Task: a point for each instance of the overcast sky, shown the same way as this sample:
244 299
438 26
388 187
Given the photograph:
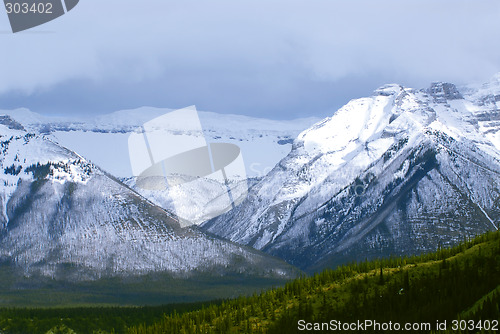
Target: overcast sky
276 59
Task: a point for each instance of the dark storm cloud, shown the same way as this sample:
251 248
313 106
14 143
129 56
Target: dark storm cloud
279 59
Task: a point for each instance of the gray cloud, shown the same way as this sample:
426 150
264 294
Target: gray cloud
278 58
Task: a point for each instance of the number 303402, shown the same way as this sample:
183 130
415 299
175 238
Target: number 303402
25 8
472 325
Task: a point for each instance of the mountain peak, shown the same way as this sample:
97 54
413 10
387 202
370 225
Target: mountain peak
444 91
10 123
62 217
401 172
388 90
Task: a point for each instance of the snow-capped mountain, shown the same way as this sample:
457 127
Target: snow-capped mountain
63 217
400 172
104 141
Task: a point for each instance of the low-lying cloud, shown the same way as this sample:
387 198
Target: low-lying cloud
279 59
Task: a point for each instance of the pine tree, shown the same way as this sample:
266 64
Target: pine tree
381 279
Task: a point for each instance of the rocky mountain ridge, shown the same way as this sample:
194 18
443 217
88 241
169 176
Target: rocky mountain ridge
400 172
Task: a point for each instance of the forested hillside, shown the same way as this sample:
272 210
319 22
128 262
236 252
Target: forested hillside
462 283
451 284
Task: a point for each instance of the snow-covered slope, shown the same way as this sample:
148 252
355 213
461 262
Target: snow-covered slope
400 172
104 141
61 216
